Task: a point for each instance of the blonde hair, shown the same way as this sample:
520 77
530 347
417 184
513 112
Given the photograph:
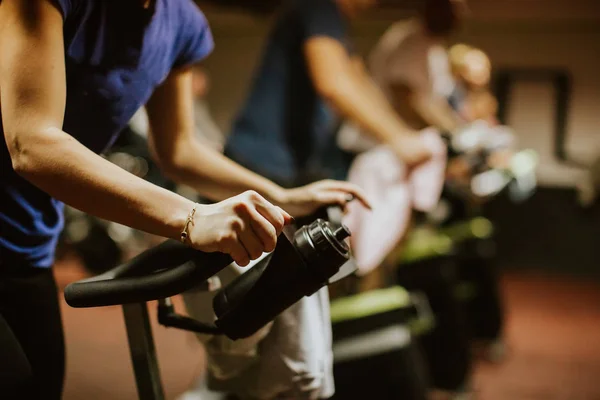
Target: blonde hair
461 57
457 55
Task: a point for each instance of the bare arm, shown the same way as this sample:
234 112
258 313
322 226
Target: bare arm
32 89
184 158
32 93
187 160
337 78
435 111
369 85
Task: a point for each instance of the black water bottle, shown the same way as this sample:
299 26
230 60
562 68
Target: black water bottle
302 263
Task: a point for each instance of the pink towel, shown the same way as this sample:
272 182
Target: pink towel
384 178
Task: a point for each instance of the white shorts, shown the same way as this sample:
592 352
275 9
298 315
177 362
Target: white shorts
291 358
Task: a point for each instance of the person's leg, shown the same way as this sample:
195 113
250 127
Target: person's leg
30 308
15 371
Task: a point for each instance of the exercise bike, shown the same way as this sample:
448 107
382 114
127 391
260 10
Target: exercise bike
449 256
306 258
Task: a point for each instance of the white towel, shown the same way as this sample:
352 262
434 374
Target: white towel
394 195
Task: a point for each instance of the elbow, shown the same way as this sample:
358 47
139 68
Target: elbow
178 159
170 163
20 151
327 91
416 101
168 166
161 159
333 91
32 152
19 165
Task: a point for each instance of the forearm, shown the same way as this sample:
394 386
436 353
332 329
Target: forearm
215 176
361 101
437 113
434 111
62 167
373 90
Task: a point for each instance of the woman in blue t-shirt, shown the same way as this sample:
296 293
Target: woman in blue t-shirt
73 72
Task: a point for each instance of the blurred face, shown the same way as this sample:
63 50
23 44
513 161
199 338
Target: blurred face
442 17
476 69
353 8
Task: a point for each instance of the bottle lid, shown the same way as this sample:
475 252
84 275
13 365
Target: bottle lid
322 247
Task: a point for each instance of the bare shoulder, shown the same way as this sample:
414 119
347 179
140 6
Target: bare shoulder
393 37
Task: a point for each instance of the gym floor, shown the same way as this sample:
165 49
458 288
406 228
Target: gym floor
553 333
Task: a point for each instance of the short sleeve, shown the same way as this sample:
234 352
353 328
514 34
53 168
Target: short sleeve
322 18
439 67
407 59
64 6
411 71
384 50
195 41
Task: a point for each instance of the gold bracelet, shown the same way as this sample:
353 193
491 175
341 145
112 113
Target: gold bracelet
189 220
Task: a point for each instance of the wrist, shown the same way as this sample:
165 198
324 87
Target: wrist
188 225
277 195
401 140
178 218
405 134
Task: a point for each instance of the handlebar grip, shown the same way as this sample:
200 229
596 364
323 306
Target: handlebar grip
163 271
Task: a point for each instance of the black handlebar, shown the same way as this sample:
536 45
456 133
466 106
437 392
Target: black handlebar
160 272
163 271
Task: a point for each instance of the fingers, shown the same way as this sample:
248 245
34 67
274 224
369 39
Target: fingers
333 197
244 227
277 217
264 232
241 241
350 191
252 242
229 242
238 254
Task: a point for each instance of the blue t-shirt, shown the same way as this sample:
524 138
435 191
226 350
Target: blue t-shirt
116 54
284 126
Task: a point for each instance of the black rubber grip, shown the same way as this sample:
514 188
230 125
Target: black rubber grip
163 271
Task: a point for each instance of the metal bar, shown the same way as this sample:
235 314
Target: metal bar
562 84
143 352
502 91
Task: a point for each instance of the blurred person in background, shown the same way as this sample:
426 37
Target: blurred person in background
308 77
73 73
471 71
473 100
410 64
431 86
